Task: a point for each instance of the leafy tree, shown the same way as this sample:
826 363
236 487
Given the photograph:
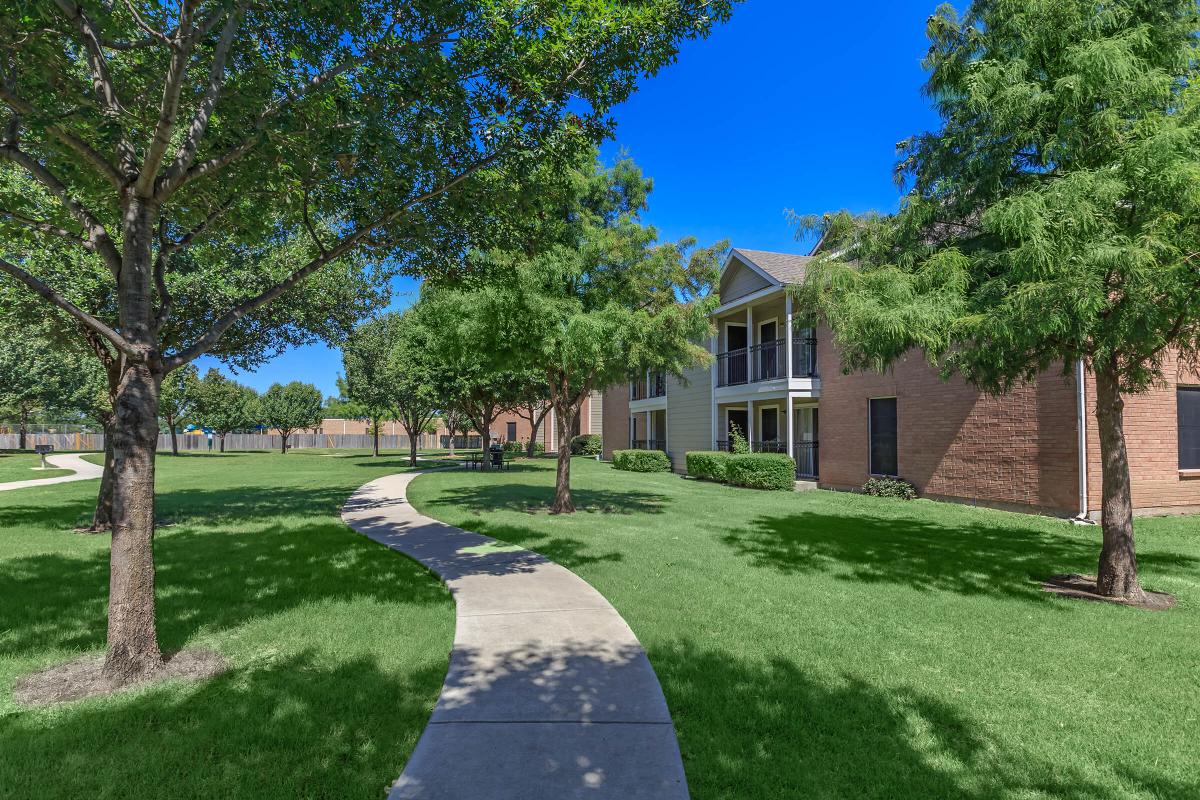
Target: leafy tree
342 407
409 383
177 400
223 405
595 298
455 421
464 370
368 128
366 360
1053 218
533 407
38 377
289 407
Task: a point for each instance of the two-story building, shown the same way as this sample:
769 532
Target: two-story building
777 378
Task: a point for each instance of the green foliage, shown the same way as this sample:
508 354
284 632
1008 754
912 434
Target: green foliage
738 445
587 444
1055 215
289 407
707 465
179 395
520 448
224 405
761 471
41 375
641 460
890 487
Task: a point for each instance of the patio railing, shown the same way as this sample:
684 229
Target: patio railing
650 444
767 362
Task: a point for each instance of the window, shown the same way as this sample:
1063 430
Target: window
883 436
512 431
1187 402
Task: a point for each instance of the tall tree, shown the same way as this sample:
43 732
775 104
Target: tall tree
200 116
223 405
366 359
455 421
1053 218
178 400
410 385
594 298
341 406
289 407
533 407
39 378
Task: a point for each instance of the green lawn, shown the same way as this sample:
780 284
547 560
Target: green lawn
824 645
338 645
21 467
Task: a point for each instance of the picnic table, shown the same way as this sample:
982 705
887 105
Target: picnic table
499 458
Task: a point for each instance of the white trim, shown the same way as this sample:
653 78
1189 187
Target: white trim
731 323
1081 417
759 325
774 407
738 302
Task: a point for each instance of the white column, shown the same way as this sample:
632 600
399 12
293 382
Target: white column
649 434
712 394
791 433
749 420
787 350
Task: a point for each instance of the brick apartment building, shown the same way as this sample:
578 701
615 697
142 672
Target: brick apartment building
1035 448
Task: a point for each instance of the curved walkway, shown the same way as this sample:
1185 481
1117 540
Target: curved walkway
84 471
549 694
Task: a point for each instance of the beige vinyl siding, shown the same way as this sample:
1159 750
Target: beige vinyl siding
739 281
596 413
689 415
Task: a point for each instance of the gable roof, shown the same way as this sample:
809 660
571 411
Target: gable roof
782 268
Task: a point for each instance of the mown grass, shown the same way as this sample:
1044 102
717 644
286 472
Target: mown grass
25 467
338 645
824 645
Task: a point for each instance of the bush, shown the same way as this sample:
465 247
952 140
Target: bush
761 471
589 444
641 460
707 465
890 487
514 447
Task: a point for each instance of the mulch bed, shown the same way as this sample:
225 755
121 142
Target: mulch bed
82 677
1083 587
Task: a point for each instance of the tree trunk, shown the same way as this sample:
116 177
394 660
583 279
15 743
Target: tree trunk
133 650
283 437
485 439
563 504
451 430
412 451
22 429
174 439
222 443
1117 573
375 438
103 515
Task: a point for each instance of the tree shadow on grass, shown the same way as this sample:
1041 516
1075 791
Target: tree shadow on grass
766 729
970 558
240 564
294 726
530 499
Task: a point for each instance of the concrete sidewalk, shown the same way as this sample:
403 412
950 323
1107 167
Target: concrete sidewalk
84 471
549 694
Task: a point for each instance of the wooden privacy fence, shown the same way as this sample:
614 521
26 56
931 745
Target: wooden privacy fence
233 441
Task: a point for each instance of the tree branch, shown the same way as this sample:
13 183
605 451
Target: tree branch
95 231
212 93
141 23
45 292
47 227
168 112
85 150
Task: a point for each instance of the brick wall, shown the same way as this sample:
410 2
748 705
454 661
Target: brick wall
616 419
953 441
1152 440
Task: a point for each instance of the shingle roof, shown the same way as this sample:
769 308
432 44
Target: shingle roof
783 267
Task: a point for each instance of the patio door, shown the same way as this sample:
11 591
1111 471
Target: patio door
736 418
768 352
768 427
807 431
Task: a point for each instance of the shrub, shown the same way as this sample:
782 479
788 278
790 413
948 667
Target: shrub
538 448
641 460
514 447
890 487
589 444
737 441
761 471
707 465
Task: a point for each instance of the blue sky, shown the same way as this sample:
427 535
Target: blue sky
790 105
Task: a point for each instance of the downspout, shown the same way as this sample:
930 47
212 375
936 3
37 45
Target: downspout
1081 426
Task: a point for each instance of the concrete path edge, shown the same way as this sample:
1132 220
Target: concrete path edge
548 695
84 471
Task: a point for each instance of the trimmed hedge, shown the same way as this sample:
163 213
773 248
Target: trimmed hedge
519 448
641 460
588 444
708 465
890 487
773 471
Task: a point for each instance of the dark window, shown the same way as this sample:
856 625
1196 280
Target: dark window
769 429
883 437
1188 402
512 431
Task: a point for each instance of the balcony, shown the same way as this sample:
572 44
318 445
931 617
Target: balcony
767 362
652 386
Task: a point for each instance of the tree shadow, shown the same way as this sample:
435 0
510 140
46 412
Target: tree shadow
969 558
243 563
530 499
283 727
768 729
